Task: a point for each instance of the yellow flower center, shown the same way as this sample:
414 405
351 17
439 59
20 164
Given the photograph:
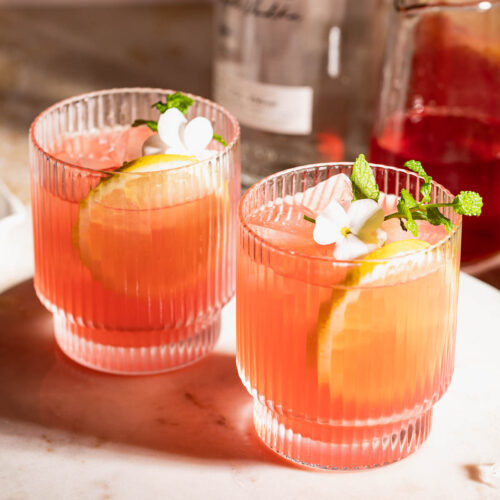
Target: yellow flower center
345 231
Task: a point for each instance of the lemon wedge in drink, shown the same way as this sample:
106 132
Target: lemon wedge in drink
124 191
154 163
331 314
148 235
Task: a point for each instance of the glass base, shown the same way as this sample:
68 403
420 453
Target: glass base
338 447
136 352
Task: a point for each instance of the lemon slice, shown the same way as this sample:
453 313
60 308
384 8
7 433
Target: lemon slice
155 163
331 313
141 235
124 191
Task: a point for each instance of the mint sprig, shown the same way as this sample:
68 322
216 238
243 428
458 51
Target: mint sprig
363 181
409 210
468 203
152 124
218 138
405 204
176 100
436 218
425 189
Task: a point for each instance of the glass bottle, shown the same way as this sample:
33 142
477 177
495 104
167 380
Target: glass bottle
440 104
300 77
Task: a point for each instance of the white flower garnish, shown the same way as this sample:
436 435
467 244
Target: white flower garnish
170 124
177 135
355 232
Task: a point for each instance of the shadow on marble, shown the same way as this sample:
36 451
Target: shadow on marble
202 411
484 473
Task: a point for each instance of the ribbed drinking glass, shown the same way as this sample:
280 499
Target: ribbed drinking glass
344 360
135 267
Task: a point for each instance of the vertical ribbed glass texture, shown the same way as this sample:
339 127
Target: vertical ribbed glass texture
343 376
135 267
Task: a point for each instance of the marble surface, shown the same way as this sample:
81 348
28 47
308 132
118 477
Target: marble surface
67 432
16 239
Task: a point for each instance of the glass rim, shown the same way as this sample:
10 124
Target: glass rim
331 259
131 90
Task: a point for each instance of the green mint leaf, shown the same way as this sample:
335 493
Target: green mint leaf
363 180
150 123
436 218
416 167
411 225
468 203
160 106
177 100
410 202
404 209
426 187
218 138
420 214
425 190
357 194
409 210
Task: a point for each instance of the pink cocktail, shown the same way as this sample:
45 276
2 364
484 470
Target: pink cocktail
344 358
135 264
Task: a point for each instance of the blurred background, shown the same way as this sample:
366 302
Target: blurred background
309 81
52 49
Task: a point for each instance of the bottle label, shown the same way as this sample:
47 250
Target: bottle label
280 109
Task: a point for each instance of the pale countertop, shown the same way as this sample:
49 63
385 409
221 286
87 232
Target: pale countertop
68 432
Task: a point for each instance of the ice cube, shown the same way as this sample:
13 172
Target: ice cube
388 202
283 225
338 187
132 141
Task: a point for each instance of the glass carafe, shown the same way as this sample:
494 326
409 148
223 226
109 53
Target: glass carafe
440 104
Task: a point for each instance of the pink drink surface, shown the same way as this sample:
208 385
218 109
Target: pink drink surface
362 358
284 225
129 276
102 150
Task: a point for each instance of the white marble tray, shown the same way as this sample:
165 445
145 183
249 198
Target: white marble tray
16 239
67 432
